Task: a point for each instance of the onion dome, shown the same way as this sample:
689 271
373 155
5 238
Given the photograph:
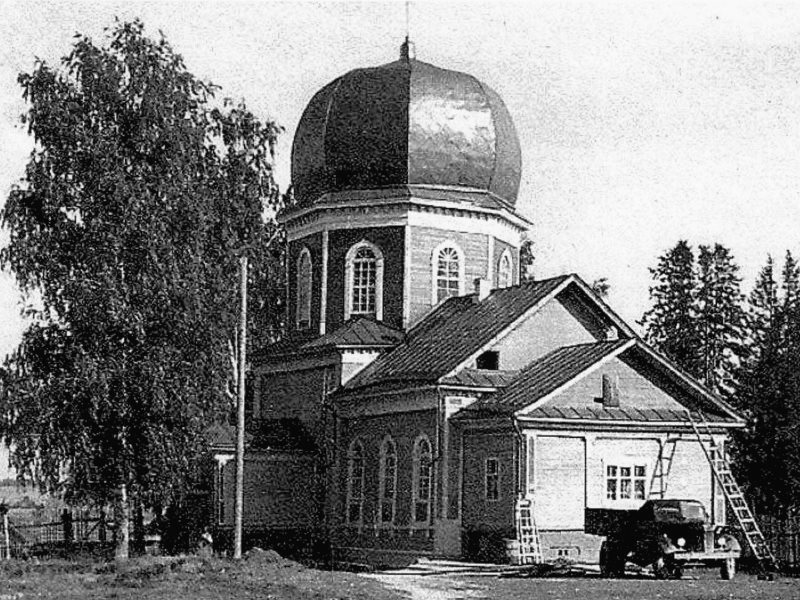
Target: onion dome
406 123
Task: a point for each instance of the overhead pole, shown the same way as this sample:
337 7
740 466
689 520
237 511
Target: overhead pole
239 500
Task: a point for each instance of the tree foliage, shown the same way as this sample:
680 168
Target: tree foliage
720 318
769 392
124 235
669 324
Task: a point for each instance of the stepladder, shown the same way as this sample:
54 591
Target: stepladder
530 545
739 508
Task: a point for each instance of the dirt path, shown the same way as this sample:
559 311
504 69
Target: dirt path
432 587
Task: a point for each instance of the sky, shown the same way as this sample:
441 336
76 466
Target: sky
641 123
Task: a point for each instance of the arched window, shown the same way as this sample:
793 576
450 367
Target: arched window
387 481
505 277
355 482
304 289
421 484
448 272
364 281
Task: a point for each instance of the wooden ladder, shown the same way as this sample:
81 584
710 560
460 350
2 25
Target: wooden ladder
530 546
658 484
721 467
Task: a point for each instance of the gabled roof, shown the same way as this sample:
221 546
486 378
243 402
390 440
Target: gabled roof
527 395
358 332
453 332
548 373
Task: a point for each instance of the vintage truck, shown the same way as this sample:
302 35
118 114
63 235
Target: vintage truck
669 535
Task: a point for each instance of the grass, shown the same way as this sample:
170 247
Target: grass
259 575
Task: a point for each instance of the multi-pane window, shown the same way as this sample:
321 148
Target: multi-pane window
422 471
355 482
387 481
448 273
492 479
304 290
365 270
626 482
504 277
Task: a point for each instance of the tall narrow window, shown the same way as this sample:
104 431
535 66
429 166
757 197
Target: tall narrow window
304 289
364 271
422 473
505 276
492 479
355 482
388 481
364 281
448 272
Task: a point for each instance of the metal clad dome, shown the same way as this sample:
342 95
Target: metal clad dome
405 123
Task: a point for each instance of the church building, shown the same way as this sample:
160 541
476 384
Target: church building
424 384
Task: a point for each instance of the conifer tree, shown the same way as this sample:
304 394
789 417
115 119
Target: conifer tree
768 394
720 319
670 324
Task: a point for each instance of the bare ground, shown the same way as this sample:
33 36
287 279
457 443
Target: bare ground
701 586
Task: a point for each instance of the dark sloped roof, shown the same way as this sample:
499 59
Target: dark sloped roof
547 374
455 330
627 413
482 378
359 331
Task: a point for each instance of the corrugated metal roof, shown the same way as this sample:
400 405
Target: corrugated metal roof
364 332
456 329
600 413
359 331
548 373
481 378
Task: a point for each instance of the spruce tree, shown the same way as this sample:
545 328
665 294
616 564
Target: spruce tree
720 318
670 324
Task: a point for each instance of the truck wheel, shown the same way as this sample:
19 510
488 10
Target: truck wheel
605 567
728 568
665 568
611 563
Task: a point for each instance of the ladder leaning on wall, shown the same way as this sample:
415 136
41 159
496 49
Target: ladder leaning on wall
721 467
530 546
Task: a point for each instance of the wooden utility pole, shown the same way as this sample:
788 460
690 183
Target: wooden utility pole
239 502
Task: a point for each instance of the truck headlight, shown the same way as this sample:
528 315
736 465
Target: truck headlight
681 542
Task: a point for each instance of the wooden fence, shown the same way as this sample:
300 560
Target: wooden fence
783 537
67 535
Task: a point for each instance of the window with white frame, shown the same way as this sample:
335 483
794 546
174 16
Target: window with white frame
355 482
304 289
626 482
505 276
387 481
492 479
364 281
448 271
422 476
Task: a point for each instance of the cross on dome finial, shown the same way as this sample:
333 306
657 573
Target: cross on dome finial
407 51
